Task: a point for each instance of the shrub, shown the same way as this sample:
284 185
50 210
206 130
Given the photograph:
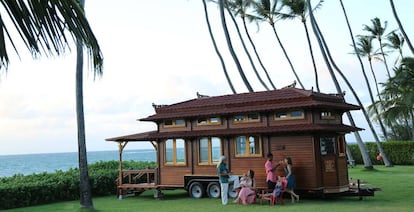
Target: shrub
27 190
398 152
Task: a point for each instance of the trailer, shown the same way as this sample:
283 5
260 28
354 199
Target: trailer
190 137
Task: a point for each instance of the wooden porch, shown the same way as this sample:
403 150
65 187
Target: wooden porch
137 181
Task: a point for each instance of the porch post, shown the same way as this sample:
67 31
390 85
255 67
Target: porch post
121 146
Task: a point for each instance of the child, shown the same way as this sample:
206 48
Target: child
279 187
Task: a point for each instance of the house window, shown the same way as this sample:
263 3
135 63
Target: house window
248 146
296 114
209 150
327 145
251 117
209 121
327 115
174 123
175 151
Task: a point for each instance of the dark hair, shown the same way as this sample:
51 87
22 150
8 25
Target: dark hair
289 160
269 155
251 173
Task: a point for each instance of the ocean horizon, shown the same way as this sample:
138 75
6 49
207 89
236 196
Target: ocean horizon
27 164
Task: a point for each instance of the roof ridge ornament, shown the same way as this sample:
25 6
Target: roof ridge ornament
201 95
155 106
293 85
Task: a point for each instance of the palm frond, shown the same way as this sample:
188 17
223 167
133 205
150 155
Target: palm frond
42 26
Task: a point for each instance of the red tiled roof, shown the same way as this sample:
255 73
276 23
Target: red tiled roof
251 102
275 130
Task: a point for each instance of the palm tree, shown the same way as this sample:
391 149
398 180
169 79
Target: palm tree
298 9
244 46
394 12
230 46
364 48
84 183
223 65
325 47
267 10
377 31
395 42
398 96
42 26
239 7
329 62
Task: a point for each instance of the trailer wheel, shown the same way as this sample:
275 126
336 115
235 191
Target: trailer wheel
196 190
231 192
213 190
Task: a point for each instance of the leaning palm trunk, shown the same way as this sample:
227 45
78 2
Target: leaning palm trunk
84 182
312 57
384 131
394 12
246 50
364 154
286 55
383 56
223 65
324 47
256 53
230 46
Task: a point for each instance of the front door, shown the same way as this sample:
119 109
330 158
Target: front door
329 161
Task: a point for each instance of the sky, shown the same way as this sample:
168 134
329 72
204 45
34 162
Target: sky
161 52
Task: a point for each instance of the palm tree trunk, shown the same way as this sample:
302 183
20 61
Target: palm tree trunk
313 58
246 50
379 146
412 125
256 53
374 76
84 184
223 65
351 160
323 47
394 12
383 57
230 46
363 71
286 55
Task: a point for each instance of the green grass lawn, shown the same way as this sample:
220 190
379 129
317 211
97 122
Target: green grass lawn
396 183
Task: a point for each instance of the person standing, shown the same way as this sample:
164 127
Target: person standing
223 174
270 171
291 183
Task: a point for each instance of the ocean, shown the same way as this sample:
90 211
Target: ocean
50 162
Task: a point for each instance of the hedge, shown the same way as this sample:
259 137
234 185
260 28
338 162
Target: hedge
27 190
398 152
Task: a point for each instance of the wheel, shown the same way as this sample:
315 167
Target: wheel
196 190
213 190
231 193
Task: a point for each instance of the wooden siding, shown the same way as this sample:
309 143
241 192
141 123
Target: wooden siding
300 149
173 174
343 171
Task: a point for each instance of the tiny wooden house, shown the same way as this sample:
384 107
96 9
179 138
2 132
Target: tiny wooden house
302 124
